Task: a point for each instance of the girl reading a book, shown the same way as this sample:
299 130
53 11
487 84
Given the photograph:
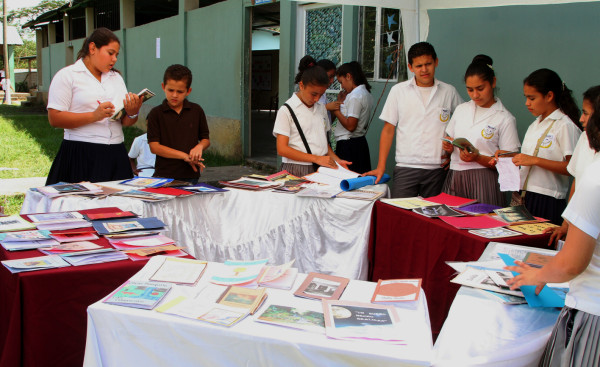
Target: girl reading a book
575 340
488 126
353 116
81 99
302 123
548 144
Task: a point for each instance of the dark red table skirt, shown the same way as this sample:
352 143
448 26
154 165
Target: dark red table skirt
43 314
404 244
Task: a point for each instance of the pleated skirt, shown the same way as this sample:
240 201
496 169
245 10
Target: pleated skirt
355 150
78 161
298 170
545 206
480 184
575 340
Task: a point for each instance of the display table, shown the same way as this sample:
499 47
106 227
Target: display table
324 235
480 331
121 336
404 244
42 313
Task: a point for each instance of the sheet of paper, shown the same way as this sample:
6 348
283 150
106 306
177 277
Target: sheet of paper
508 175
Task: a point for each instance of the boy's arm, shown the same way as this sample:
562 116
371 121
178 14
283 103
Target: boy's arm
134 166
166 152
385 144
196 152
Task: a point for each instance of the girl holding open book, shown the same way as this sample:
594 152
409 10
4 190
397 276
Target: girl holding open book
81 100
488 126
548 144
575 340
301 124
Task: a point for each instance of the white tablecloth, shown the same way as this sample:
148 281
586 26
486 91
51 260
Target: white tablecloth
121 336
324 235
480 331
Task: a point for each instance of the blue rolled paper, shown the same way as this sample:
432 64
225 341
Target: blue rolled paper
357 183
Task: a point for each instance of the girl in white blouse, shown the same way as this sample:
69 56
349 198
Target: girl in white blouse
486 124
81 100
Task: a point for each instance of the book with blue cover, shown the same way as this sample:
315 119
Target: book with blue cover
104 227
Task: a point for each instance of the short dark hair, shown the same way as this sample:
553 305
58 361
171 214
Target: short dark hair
353 68
177 73
326 64
421 49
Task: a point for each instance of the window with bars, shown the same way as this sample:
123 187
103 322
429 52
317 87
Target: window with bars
77 24
382 44
107 14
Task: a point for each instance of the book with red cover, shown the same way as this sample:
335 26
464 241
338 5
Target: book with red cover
397 290
478 222
450 200
112 214
168 191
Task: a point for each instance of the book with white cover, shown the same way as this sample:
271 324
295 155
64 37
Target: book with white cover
331 176
35 263
179 271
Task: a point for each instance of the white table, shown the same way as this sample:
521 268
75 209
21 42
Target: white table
122 336
324 235
480 331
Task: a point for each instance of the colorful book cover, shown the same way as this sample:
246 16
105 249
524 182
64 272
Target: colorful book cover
532 229
136 294
238 272
397 290
322 286
293 317
450 200
479 222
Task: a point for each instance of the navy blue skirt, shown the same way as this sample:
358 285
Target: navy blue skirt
545 206
78 161
355 150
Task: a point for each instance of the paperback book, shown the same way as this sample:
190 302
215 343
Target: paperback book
69 189
515 215
437 211
145 295
146 181
238 272
250 299
293 317
14 223
145 94
532 229
322 286
180 271
409 203
170 251
280 276
499 232
450 200
125 225
35 263
396 290
479 278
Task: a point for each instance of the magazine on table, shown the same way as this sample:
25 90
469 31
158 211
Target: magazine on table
27 245
331 176
479 278
69 189
396 290
498 232
125 225
251 184
25 236
145 295
75 237
322 286
450 200
69 247
293 317
280 276
180 271
14 223
55 217
409 203
238 272
169 251
532 229
435 211
515 215
360 195
250 299
102 255
35 263
144 196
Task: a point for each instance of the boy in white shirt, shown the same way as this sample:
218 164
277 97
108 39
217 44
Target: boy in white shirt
140 150
417 110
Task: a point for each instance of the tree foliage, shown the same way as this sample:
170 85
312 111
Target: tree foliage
25 14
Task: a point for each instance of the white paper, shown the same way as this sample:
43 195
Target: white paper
174 270
508 175
158 48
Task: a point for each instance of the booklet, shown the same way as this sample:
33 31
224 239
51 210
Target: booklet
140 242
356 320
437 211
25 236
180 271
69 189
293 317
479 222
451 200
35 263
146 181
479 278
360 195
536 259
224 315
331 176
70 247
145 253
479 208
27 245
59 226
144 196
499 232
145 94
74 237
238 272
280 276
250 299
125 225
251 184
14 223
110 214
145 295
409 203
462 143
55 217
202 188
101 255
396 290
322 286
515 215
532 229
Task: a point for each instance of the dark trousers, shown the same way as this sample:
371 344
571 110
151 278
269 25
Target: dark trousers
410 182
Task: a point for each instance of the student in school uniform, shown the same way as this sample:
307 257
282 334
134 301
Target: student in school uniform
353 117
329 67
582 157
299 158
486 124
548 144
81 100
417 111
575 339
141 157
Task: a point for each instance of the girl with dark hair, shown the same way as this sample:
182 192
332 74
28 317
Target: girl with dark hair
582 157
489 126
548 144
353 117
301 124
81 100
329 68
575 339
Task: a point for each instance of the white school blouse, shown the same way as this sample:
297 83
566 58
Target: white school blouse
581 158
419 126
140 150
314 124
557 144
495 129
358 104
75 89
582 212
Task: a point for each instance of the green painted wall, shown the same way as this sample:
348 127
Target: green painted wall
57 54
520 39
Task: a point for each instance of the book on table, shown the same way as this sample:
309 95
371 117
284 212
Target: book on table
515 215
280 276
69 189
250 299
145 94
145 295
293 317
532 229
26 240
55 217
74 237
396 290
203 188
180 271
480 278
125 225
146 181
450 200
35 263
140 242
435 211
322 286
478 222
14 223
498 232
479 208
331 176
109 213
238 272
144 195
170 251
69 247
101 255
409 203
361 321
360 195
251 184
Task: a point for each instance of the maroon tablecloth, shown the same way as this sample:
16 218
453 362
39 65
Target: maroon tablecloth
404 244
43 316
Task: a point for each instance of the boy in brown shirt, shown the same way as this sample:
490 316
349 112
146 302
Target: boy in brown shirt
177 129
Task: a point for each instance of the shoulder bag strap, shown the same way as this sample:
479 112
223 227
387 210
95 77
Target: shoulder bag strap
298 128
535 153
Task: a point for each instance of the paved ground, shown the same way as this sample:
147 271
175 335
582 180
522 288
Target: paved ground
11 186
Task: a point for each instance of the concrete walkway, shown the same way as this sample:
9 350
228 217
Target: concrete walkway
13 186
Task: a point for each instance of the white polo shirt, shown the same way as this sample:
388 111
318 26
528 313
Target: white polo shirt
557 144
582 157
314 124
419 126
358 104
582 212
140 150
495 129
75 89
